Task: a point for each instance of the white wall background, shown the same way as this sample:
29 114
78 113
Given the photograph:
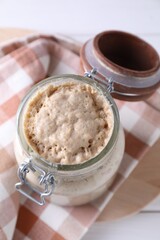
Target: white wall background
85 18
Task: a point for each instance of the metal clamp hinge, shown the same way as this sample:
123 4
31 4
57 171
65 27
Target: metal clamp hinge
108 82
46 182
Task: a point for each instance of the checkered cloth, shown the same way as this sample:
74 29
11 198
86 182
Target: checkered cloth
23 63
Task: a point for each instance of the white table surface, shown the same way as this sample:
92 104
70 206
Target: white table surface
82 20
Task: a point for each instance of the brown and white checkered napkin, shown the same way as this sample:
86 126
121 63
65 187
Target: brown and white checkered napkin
23 63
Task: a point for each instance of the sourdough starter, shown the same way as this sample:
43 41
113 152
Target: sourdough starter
70 124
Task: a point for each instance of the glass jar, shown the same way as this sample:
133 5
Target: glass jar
67 184
111 57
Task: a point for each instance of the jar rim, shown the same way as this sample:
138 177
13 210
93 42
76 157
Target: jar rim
67 167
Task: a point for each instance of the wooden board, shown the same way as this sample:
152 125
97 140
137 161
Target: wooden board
11 33
142 186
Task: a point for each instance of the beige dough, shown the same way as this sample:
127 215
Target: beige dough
68 124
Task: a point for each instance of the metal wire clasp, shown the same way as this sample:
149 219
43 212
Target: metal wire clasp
45 179
108 82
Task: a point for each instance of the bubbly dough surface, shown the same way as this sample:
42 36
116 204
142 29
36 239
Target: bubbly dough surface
68 124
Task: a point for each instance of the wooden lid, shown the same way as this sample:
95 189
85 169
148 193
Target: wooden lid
131 63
